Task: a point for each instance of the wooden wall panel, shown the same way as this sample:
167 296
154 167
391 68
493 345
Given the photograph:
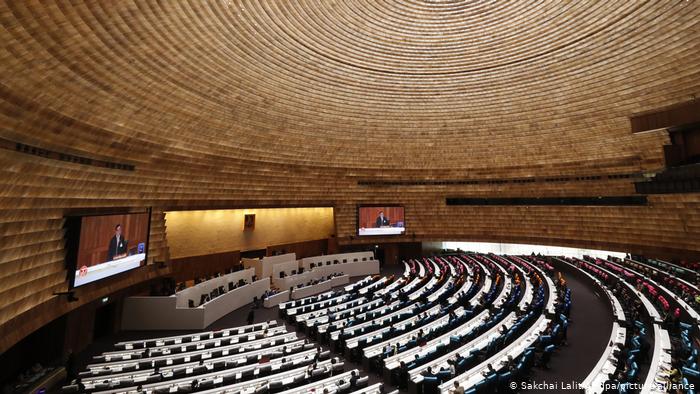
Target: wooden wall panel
302 249
32 268
196 233
186 268
680 114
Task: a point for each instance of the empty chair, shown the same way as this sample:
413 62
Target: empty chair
153 379
693 375
546 355
318 374
206 384
179 372
275 386
160 363
430 384
265 370
162 390
261 390
362 382
297 381
196 357
344 388
275 354
504 380
232 364
199 369
229 378
190 348
245 374
73 388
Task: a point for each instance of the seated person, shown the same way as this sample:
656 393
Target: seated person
457 389
489 370
353 379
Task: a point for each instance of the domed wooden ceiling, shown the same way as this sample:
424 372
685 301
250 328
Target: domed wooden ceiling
246 103
434 84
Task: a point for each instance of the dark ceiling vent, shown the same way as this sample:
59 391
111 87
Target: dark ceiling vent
492 181
67 157
535 201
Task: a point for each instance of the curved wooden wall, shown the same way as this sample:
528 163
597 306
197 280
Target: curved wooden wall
225 104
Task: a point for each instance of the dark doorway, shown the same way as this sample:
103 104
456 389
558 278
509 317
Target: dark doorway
379 254
104 320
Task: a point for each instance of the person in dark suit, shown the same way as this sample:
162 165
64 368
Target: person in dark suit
381 220
353 379
71 371
117 245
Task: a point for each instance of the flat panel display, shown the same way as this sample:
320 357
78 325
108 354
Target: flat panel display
108 245
380 220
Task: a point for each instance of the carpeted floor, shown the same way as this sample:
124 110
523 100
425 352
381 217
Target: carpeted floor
588 334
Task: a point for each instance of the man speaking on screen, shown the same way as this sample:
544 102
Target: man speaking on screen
117 245
381 220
